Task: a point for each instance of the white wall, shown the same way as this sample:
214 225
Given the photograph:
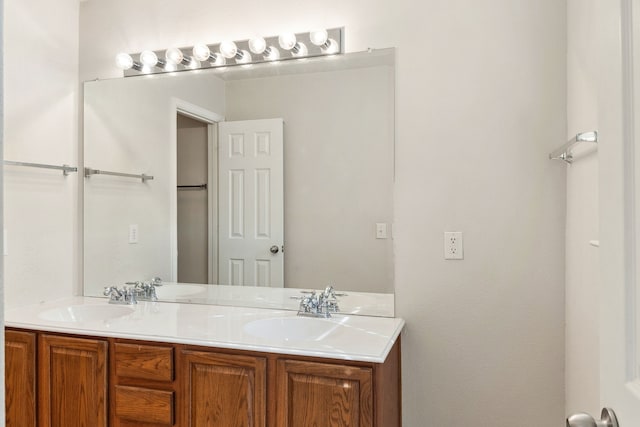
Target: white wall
480 102
338 171
40 125
2 269
131 124
582 261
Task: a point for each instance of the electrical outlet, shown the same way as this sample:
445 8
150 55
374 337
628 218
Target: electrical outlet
133 233
453 247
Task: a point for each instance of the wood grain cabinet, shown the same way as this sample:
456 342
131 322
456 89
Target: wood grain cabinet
65 381
72 382
20 378
143 391
311 394
223 389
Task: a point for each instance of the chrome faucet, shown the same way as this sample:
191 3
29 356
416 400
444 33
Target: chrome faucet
146 291
319 305
123 295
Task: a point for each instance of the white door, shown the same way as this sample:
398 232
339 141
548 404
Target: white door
619 205
251 203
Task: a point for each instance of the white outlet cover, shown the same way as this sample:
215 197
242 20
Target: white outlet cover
453 245
133 233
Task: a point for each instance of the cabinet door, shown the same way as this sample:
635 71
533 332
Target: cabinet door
222 390
20 378
311 394
72 374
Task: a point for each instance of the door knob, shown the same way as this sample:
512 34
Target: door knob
585 420
274 249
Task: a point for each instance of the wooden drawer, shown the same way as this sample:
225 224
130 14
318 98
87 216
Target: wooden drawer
144 405
143 361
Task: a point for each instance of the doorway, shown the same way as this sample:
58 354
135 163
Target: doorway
193 199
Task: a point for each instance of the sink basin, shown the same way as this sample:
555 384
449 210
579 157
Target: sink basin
178 291
85 313
291 328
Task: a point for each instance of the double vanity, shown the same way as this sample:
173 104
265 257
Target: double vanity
193 182
82 361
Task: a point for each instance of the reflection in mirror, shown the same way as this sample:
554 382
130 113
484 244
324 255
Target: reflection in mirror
276 175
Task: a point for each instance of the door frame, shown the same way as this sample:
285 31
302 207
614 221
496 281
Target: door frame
180 106
619 375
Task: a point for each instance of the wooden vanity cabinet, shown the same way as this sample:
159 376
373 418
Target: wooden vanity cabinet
142 386
312 392
20 378
164 385
221 389
72 381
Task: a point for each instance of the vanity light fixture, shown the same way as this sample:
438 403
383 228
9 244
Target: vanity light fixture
289 41
124 61
321 39
230 50
202 53
233 53
258 46
175 56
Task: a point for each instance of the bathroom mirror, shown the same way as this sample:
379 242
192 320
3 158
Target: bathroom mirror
318 212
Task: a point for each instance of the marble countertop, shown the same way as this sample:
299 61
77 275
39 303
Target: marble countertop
347 337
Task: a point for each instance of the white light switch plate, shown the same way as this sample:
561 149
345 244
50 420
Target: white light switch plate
453 245
381 230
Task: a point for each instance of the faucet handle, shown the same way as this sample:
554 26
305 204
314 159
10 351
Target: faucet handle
110 290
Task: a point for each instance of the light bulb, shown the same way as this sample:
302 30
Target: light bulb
228 49
257 45
170 66
219 60
148 58
287 41
300 50
124 61
318 37
201 52
330 47
193 64
174 56
271 54
245 57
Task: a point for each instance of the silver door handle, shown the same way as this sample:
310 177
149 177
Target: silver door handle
585 420
274 249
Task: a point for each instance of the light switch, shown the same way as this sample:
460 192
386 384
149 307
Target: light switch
381 230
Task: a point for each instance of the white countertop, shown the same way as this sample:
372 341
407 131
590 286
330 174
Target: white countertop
362 303
348 337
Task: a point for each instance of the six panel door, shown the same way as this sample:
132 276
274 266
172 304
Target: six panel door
251 203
